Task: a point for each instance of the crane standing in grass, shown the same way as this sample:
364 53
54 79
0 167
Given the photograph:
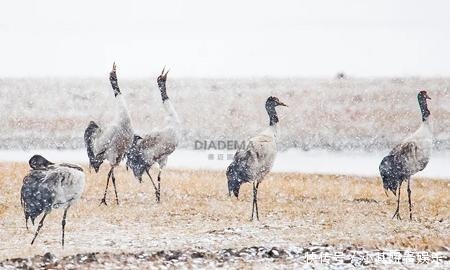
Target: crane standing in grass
254 162
48 186
409 157
155 147
110 142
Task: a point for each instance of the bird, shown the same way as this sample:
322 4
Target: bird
409 157
49 186
156 146
254 162
110 142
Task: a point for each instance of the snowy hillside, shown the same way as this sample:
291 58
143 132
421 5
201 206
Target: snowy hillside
349 114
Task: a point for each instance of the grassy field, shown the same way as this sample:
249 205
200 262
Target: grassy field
295 209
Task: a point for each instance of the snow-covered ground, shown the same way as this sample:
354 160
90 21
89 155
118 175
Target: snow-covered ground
331 126
292 160
355 114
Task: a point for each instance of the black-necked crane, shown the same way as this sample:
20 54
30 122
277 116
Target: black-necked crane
254 162
112 141
409 157
48 186
155 147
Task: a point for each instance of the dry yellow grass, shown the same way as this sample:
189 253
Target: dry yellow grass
295 209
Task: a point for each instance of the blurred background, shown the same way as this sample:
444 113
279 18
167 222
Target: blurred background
202 38
350 70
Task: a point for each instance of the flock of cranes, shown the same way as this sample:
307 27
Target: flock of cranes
49 185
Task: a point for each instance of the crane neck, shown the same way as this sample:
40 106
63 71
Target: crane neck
162 89
123 115
424 108
171 113
273 116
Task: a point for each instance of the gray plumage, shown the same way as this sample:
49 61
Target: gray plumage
110 142
48 186
95 160
254 162
409 157
155 147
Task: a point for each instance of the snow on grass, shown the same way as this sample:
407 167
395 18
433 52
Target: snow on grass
196 211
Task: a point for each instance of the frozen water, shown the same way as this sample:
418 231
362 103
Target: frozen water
292 160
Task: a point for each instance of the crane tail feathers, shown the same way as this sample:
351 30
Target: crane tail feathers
239 172
234 180
36 196
392 173
136 160
95 161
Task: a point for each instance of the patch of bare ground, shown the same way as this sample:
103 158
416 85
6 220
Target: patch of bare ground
196 212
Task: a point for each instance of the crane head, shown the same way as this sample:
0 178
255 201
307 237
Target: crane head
162 77
113 80
38 162
424 94
273 102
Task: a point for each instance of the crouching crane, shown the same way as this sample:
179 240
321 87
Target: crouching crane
48 186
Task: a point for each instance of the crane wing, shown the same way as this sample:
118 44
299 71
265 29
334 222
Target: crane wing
153 147
37 193
408 154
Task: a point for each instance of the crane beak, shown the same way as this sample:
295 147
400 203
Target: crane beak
164 76
282 104
427 96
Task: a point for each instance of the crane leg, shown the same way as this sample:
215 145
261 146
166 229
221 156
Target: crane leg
41 223
256 196
409 199
103 201
158 192
153 183
63 224
397 212
114 184
255 201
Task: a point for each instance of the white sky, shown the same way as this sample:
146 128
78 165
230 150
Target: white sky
226 38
